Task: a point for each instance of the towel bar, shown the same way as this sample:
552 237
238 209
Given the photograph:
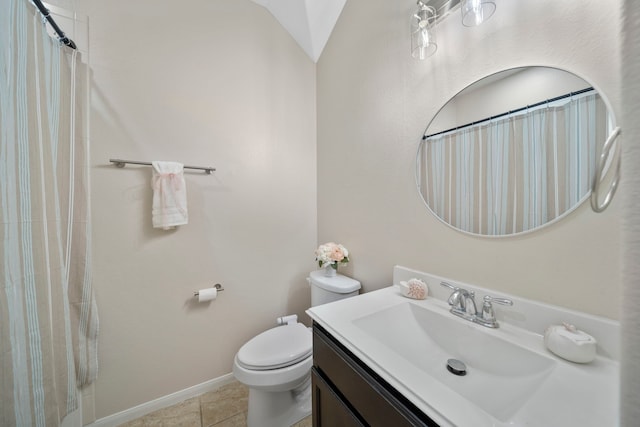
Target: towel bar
121 163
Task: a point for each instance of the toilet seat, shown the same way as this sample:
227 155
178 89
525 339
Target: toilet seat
276 348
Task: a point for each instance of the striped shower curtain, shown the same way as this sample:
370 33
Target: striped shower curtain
48 316
515 173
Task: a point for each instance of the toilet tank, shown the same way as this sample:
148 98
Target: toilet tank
326 289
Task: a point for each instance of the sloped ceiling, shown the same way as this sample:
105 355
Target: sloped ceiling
310 22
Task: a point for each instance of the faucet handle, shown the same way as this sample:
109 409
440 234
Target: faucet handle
456 299
450 286
488 315
503 301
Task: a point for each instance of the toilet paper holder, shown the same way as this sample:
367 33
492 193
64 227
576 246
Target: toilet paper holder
218 287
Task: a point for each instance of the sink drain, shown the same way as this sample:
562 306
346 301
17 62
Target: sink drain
456 367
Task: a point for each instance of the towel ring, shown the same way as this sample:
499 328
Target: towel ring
595 184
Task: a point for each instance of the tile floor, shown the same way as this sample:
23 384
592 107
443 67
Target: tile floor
224 407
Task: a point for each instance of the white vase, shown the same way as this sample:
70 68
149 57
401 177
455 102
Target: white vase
329 271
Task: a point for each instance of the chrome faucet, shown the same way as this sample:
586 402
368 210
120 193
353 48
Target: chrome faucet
463 304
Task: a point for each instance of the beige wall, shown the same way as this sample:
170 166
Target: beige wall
374 102
213 83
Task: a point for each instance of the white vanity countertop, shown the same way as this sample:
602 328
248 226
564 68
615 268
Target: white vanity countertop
570 395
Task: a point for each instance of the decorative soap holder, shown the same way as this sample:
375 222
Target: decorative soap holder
570 343
413 288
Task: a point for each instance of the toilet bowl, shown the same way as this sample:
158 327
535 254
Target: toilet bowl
275 360
276 364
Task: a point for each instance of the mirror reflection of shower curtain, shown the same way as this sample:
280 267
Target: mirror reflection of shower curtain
48 316
516 172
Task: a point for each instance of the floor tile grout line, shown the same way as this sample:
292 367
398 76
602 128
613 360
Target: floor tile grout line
162 414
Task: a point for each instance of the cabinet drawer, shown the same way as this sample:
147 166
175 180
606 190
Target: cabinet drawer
372 398
328 409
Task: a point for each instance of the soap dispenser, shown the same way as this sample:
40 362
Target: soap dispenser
569 343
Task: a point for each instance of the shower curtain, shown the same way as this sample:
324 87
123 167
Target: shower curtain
48 316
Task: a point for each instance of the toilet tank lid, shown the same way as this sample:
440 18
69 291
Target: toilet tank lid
339 284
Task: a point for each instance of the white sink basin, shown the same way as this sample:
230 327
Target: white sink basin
501 376
511 380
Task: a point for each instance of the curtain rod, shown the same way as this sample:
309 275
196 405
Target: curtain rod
120 163
537 104
46 13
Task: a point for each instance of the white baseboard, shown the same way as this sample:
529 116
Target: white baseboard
162 402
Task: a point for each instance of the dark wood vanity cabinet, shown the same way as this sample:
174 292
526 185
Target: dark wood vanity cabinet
346 392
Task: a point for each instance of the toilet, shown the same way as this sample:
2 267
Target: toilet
276 364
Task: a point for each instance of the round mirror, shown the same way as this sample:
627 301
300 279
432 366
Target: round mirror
513 152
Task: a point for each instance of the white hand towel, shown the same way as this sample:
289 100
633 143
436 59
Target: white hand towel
169 195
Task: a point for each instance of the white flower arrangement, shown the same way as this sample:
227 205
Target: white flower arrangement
331 254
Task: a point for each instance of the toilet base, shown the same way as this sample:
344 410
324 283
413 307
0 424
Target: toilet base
281 408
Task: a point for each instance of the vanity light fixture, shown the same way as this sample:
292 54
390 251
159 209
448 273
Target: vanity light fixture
475 12
423 36
423 21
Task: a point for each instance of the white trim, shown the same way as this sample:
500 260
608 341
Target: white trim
162 402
